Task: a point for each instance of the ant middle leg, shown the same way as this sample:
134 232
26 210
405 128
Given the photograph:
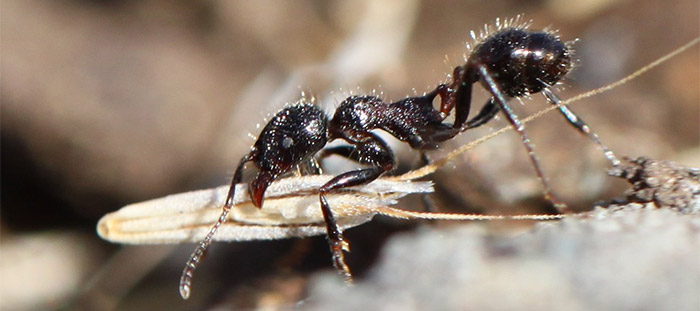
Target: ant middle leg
486 113
429 204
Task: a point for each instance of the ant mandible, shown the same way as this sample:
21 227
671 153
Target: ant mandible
512 62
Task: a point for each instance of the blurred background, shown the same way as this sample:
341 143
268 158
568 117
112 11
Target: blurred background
109 102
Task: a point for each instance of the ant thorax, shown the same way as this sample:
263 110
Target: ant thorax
408 120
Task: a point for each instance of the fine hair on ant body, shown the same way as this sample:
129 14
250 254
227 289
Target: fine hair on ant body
511 62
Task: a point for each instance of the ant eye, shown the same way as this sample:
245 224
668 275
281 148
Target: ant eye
287 142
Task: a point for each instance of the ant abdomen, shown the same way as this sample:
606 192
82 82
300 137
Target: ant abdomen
521 61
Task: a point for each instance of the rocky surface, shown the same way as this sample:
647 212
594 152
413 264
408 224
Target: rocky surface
641 253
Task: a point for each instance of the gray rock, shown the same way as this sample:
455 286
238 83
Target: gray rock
640 253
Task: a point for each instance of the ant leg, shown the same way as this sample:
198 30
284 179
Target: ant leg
201 250
373 151
463 88
457 94
579 124
335 235
428 202
311 167
486 114
344 151
423 159
429 139
502 102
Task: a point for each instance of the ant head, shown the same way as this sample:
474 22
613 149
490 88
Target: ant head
523 62
292 136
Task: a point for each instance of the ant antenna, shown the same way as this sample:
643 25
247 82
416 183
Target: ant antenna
201 250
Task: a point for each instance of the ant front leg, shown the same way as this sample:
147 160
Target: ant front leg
372 150
500 100
310 167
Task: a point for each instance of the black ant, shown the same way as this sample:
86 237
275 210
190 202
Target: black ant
512 62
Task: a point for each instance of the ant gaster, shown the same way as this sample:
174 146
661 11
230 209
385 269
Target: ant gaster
512 62
515 62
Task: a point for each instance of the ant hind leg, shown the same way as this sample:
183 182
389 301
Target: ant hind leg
579 124
502 102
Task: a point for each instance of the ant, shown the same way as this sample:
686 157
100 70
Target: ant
512 62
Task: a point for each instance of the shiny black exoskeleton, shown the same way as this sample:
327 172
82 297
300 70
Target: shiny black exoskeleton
523 62
298 132
293 136
510 63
